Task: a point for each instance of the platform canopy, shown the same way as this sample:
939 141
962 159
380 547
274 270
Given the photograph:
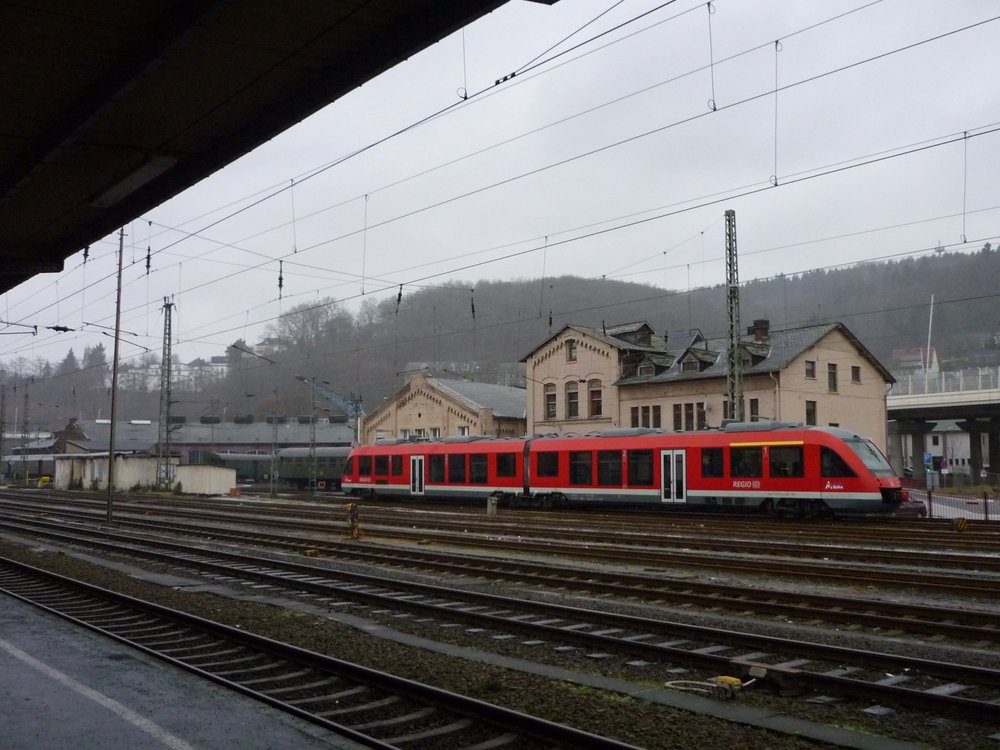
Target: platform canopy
110 108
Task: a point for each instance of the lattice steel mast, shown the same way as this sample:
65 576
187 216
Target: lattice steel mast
163 472
734 372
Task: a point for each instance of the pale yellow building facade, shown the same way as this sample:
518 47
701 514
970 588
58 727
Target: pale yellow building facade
428 408
583 380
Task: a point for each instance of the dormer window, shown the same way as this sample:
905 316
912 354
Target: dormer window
689 365
570 350
646 370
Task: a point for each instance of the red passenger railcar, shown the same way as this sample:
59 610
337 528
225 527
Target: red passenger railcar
772 467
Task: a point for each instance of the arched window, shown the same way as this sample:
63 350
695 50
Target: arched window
550 400
570 350
572 401
595 398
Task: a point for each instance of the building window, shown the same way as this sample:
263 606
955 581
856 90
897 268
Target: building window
811 369
688 417
831 377
678 418
570 350
572 401
656 417
404 434
634 412
550 401
463 430
700 415
810 412
645 416
436 432
596 396
646 371
855 374
754 410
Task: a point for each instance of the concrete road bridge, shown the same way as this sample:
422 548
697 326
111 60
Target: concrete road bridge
918 401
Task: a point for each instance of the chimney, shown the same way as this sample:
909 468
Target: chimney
761 329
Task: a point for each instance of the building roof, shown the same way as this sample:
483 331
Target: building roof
605 335
505 401
143 436
771 355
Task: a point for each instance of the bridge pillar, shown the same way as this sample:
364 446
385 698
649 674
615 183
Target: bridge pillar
994 445
917 429
976 428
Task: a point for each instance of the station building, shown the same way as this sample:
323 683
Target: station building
429 407
584 379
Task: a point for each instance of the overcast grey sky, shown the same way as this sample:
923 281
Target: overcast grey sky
840 131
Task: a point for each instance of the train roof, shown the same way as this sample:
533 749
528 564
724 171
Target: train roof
319 450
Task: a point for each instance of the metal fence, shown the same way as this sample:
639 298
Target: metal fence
954 381
943 505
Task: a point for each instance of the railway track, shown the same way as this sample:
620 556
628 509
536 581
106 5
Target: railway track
370 707
943 550
879 616
943 688
468 535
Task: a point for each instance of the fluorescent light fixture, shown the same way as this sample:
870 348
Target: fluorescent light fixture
148 172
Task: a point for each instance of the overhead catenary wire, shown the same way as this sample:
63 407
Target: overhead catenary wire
963 224
800 31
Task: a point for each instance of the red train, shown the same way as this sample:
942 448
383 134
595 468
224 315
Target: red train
766 466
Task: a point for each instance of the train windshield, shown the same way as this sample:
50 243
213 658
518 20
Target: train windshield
872 457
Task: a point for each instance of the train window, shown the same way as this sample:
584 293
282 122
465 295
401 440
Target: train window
547 464
506 464
477 468
640 468
745 462
456 468
711 463
381 465
609 468
785 461
396 466
349 466
435 468
365 466
831 464
581 467
871 457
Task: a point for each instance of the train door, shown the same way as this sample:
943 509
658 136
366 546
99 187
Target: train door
416 475
673 474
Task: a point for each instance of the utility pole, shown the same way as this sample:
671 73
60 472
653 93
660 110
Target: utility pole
25 422
163 473
3 426
312 440
114 381
734 373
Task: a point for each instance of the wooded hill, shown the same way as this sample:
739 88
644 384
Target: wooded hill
482 329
